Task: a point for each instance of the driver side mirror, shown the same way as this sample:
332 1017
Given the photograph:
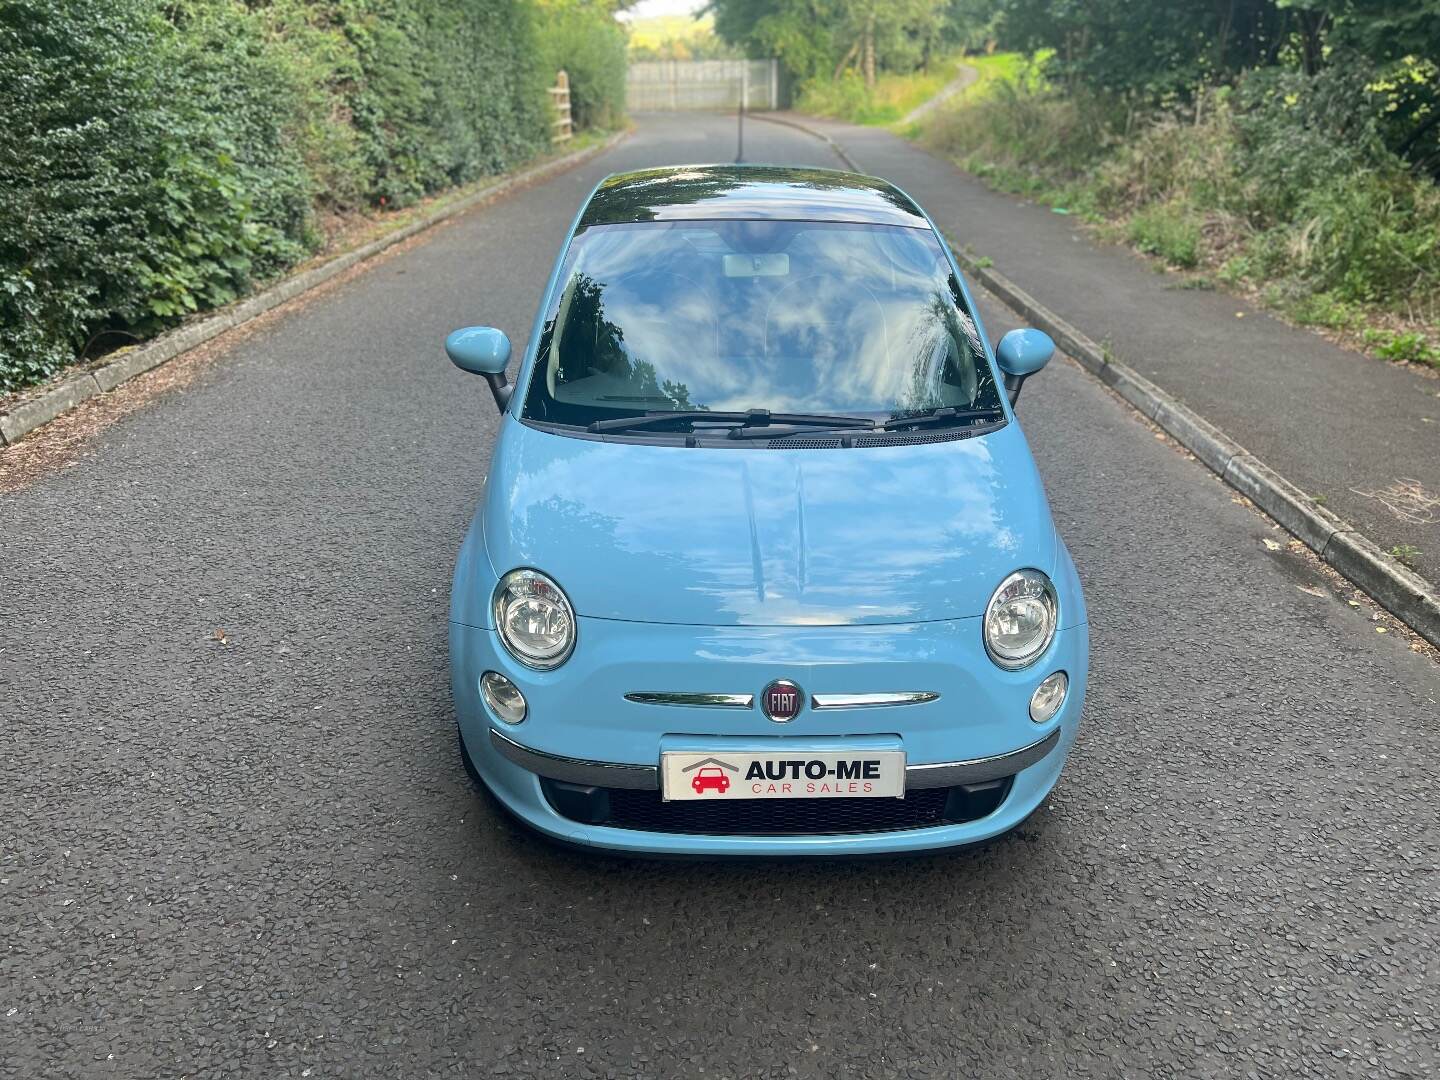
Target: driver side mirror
1020 354
482 350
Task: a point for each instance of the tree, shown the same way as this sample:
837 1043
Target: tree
824 38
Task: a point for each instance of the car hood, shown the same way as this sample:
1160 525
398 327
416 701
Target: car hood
765 537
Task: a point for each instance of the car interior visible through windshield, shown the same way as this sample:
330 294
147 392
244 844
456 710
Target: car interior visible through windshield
786 316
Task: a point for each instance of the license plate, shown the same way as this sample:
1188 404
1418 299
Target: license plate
793 774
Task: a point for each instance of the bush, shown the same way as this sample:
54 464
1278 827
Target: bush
75 171
1285 182
1296 134
845 97
158 159
1021 127
590 46
230 201
1169 230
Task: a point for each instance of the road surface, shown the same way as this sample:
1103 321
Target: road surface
261 857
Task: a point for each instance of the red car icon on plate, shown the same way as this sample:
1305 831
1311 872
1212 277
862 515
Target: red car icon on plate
710 780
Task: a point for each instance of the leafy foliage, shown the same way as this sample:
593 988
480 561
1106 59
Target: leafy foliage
1285 183
74 174
1159 54
590 46
159 158
817 39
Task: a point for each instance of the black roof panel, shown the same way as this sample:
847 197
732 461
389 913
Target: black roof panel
749 192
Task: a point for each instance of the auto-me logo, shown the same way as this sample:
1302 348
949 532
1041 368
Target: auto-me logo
763 776
710 775
780 701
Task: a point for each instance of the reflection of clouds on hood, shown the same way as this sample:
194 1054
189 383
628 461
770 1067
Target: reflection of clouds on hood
865 320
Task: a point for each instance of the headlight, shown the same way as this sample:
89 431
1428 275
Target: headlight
1045 702
534 619
1020 619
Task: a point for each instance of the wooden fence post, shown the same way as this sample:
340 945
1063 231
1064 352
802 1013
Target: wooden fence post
563 125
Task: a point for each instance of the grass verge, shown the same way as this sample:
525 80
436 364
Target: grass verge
892 98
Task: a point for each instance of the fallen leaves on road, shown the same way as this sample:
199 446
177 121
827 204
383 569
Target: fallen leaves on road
219 635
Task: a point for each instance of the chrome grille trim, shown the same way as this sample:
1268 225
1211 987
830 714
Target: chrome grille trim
693 701
872 701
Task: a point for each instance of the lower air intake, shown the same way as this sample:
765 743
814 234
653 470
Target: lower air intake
646 811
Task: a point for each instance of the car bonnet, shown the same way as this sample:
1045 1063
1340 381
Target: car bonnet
764 536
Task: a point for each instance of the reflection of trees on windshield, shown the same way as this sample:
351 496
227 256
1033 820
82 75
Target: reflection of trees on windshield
943 349
587 309
587 324
643 196
672 316
633 197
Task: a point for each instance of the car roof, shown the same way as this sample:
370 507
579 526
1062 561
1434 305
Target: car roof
749 192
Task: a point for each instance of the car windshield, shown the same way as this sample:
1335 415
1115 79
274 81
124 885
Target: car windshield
794 317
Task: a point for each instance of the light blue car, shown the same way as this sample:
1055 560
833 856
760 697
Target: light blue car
763 564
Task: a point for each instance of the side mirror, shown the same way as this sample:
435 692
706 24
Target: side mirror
482 350
1020 354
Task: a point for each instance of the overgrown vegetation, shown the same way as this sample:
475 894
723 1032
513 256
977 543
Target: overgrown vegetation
159 159
890 99
866 61
1292 150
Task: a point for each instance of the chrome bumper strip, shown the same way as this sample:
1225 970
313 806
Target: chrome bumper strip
574 771
647 777
953 773
872 701
694 701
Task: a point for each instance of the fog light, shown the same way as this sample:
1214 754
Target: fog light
1048 697
505 699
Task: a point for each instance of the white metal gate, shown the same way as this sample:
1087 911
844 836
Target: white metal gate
673 85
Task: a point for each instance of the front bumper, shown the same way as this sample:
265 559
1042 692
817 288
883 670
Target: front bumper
581 730
613 774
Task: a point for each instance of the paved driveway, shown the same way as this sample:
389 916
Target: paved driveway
262 858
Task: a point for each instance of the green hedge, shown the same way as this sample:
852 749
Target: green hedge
160 158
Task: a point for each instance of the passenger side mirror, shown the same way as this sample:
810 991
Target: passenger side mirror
1020 354
482 350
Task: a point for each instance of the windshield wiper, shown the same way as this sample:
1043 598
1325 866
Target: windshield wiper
750 418
947 415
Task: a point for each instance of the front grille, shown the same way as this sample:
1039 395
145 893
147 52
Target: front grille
646 811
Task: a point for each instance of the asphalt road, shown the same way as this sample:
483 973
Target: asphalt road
262 857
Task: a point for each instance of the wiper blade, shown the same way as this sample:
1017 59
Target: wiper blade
750 418
948 415
782 430
660 419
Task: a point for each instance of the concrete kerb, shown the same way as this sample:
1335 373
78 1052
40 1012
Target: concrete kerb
28 415
25 416
1404 593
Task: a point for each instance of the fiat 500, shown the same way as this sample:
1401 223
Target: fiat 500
763 564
